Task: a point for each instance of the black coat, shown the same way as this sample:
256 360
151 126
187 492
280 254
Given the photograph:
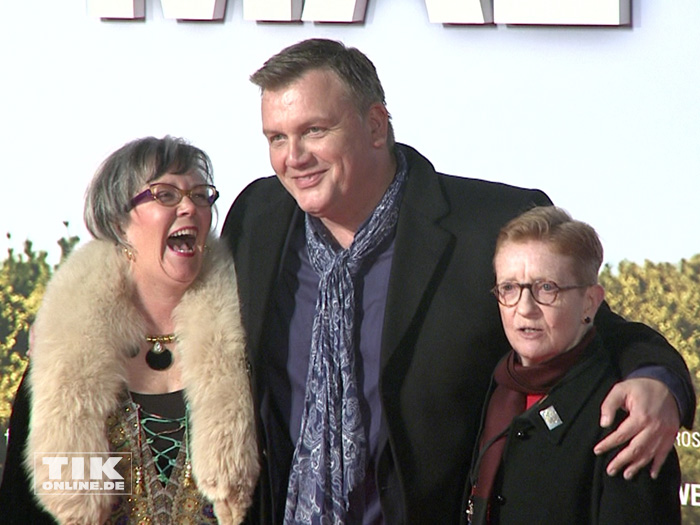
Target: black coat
441 339
18 506
553 477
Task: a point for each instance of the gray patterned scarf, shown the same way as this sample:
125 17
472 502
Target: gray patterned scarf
331 453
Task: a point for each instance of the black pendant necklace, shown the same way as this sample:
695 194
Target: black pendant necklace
159 357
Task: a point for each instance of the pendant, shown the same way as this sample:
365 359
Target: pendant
158 357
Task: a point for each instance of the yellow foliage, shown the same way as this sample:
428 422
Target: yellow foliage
666 297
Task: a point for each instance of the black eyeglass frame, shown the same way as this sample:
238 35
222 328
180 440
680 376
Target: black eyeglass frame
535 294
148 195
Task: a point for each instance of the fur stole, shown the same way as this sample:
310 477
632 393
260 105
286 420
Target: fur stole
84 333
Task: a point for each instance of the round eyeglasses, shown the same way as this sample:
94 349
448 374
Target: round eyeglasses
543 292
202 195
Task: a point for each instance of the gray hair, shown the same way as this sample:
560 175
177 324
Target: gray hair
124 173
353 68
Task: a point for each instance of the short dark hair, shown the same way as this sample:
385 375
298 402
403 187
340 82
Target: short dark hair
563 234
353 68
123 174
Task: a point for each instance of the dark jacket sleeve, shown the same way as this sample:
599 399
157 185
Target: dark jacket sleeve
641 500
637 345
17 502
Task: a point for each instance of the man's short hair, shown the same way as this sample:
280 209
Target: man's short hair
353 68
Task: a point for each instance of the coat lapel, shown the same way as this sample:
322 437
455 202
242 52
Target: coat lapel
268 236
421 243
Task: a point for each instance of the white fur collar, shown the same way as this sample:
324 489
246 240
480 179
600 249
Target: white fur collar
83 334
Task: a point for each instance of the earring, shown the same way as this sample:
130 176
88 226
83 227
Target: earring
129 254
587 320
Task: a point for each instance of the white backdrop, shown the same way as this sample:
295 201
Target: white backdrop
606 120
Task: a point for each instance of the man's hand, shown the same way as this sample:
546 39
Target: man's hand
650 427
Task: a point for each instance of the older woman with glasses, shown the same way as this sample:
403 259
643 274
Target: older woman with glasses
137 391
534 461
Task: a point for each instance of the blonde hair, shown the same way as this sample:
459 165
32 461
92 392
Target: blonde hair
563 234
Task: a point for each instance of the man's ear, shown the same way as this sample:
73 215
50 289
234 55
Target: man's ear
378 121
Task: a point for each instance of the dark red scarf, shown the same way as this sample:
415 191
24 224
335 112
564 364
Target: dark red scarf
514 383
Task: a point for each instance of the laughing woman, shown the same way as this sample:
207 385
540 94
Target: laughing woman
138 348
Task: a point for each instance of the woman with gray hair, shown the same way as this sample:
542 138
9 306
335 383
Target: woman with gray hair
138 357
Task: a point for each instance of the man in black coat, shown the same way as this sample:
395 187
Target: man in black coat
423 331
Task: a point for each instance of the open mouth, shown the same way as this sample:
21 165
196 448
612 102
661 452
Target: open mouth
183 241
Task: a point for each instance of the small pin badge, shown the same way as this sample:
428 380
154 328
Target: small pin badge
551 418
